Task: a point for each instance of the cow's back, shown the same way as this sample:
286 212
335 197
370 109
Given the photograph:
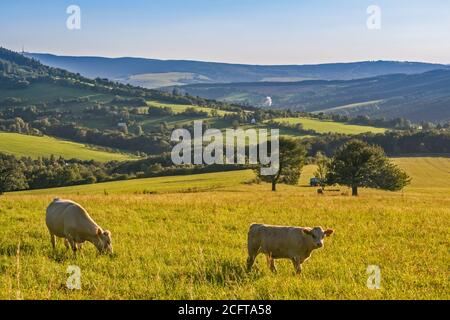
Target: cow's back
278 241
67 215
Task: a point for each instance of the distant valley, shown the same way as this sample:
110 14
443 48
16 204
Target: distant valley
379 89
417 97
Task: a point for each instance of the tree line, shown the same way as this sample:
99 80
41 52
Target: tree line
394 143
27 174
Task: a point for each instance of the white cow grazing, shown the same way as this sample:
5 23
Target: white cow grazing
277 242
67 219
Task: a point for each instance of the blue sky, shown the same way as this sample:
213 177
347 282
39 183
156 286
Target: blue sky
243 31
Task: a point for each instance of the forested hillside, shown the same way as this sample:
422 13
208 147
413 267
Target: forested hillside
123 132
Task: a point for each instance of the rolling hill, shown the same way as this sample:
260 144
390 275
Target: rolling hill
37 99
152 73
65 98
417 97
22 145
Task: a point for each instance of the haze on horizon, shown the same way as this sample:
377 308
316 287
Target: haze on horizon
235 31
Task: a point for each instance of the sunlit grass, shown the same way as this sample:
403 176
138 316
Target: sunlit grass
330 126
22 145
179 108
190 243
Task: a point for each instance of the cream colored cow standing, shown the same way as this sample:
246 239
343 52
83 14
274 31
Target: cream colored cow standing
69 220
278 242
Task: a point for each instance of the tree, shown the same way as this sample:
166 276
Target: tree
292 157
322 162
358 164
11 175
154 169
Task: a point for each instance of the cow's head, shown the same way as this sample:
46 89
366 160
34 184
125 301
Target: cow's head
104 243
317 235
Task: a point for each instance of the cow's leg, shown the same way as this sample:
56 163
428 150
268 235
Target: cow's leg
297 265
53 240
271 263
251 259
253 251
73 245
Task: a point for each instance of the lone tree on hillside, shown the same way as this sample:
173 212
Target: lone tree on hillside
357 164
323 163
292 158
11 177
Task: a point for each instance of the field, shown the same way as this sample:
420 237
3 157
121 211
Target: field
164 79
179 108
372 104
188 240
34 147
430 174
185 184
330 126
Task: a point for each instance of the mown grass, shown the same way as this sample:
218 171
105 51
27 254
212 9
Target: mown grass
33 146
179 108
191 243
428 172
372 103
330 126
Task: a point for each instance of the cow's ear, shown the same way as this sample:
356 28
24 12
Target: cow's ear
99 232
307 231
328 232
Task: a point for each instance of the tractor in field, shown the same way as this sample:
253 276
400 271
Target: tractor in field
314 182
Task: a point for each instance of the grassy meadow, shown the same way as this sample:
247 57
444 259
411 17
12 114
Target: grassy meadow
164 79
179 108
22 145
185 238
330 126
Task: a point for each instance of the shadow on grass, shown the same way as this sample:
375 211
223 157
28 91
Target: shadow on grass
60 255
11 249
63 255
226 272
4 264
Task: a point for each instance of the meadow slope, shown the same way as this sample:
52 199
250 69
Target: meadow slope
330 126
22 145
190 243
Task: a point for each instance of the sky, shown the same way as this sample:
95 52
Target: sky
237 31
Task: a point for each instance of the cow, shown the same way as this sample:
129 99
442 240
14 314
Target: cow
69 220
281 242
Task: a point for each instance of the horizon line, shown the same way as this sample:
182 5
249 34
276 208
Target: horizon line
235 63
